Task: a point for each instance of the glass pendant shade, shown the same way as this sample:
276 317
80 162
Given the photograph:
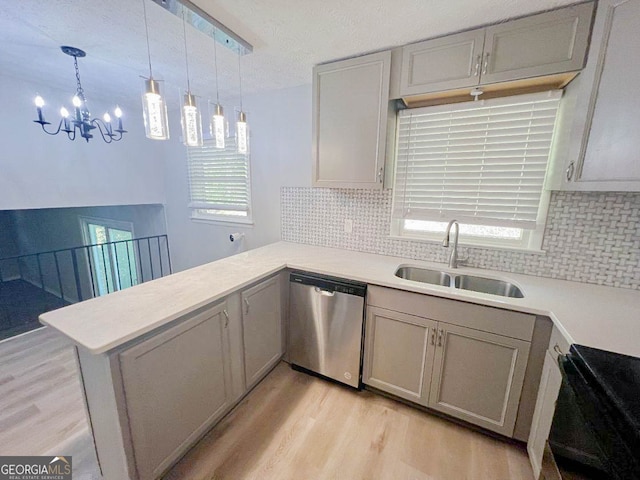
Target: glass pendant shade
156 121
218 126
242 133
191 122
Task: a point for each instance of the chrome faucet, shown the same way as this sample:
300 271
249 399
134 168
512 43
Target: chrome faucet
453 259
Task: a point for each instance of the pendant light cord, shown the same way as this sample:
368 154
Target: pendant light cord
186 52
240 79
215 62
146 27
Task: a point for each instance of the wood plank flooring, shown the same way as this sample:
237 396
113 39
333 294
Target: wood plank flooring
293 426
41 406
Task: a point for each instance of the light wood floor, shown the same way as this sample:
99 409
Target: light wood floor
293 426
41 407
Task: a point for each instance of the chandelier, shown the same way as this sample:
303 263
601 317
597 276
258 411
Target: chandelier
81 123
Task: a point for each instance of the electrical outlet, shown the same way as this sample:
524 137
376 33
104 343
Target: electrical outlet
348 226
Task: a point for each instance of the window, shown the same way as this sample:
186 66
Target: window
483 163
219 182
114 266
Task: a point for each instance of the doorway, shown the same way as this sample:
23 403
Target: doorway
111 253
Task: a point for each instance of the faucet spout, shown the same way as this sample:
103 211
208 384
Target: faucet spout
453 258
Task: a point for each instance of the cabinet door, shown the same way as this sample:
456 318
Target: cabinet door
611 143
544 44
443 63
399 353
176 385
478 377
543 415
261 329
350 107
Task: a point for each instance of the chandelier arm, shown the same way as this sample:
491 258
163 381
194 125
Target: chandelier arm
105 131
44 129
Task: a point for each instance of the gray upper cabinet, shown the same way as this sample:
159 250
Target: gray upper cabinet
442 63
544 44
261 329
350 109
601 145
176 385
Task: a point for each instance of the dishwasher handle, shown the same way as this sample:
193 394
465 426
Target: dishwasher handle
329 284
324 293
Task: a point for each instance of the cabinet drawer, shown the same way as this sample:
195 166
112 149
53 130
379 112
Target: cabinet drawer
488 319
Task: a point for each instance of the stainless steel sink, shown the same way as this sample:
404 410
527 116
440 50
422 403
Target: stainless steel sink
488 285
473 283
424 275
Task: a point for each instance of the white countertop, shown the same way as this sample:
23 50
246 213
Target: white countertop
601 317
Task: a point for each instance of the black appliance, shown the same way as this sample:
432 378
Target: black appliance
597 417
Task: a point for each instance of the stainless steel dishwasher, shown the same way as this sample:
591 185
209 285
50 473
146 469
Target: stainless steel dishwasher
326 326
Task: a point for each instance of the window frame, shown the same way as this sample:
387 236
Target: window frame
199 214
531 240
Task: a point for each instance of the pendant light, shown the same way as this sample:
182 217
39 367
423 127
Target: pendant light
191 118
242 128
154 108
217 119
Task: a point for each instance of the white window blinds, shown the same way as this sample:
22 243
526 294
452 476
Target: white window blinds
219 178
480 162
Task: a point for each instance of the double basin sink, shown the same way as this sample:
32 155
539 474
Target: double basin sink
473 283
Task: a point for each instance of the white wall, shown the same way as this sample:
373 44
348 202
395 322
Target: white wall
42 171
280 124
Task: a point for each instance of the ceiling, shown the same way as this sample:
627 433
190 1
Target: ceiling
289 37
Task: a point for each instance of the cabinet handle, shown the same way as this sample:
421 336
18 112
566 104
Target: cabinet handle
440 338
570 169
433 337
556 349
246 306
226 316
476 70
485 65
380 174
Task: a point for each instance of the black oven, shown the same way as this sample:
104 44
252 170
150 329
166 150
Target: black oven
596 425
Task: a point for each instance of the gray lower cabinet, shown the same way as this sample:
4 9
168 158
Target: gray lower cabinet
478 376
464 360
261 329
550 382
176 385
399 356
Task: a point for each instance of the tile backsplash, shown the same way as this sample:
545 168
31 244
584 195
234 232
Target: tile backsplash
590 237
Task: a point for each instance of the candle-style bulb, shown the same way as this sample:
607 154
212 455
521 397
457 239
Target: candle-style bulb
39 101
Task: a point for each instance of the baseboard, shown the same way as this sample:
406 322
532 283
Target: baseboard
10 278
